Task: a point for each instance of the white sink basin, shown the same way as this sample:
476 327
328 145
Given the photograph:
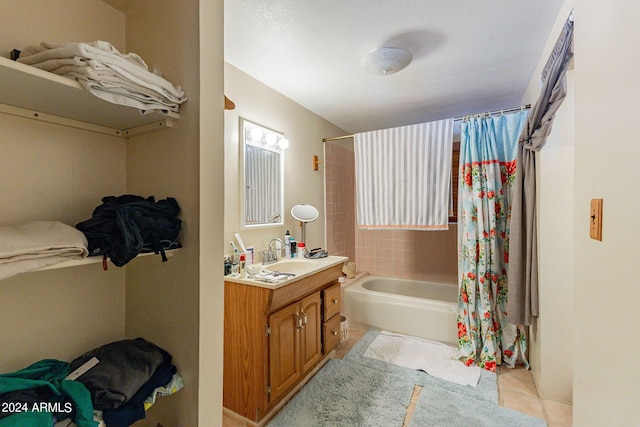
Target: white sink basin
296 267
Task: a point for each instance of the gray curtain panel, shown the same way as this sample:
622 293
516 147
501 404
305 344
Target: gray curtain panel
523 261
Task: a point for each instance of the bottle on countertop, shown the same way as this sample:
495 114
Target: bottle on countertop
234 268
243 265
294 247
301 249
227 266
249 253
287 244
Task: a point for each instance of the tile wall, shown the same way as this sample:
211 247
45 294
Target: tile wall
340 200
419 255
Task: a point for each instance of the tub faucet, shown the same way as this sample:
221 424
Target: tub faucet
271 255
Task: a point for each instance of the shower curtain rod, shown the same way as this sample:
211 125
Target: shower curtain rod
457 119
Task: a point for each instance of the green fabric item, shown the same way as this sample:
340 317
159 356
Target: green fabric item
48 373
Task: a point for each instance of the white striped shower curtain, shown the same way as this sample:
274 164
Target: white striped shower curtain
403 176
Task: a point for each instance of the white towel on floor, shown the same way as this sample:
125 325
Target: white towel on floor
36 244
433 357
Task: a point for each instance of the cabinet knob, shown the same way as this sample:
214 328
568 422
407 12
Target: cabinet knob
335 301
334 333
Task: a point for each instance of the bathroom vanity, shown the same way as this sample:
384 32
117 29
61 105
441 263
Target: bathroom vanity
277 335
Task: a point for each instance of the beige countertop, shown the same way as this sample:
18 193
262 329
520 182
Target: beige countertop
301 267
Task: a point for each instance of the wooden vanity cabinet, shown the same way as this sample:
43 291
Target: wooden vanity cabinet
294 344
274 339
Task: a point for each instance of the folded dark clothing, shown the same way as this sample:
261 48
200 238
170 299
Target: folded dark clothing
132 411
124 226
125 366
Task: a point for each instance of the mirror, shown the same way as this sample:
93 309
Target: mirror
304 213
263 175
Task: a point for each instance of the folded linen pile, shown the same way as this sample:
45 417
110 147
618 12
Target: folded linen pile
118 78
36 244
128 374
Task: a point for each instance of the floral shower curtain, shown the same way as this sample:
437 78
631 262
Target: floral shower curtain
487 173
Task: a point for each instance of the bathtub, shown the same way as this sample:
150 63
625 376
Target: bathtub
411 307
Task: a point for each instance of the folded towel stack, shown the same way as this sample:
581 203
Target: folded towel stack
36 244
118 78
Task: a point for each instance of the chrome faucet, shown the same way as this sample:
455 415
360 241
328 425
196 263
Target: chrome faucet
271 255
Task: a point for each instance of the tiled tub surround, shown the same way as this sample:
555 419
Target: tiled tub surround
340 200
429 256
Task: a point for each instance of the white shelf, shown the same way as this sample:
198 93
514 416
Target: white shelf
30 92
98 260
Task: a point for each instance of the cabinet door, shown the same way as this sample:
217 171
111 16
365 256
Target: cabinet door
284 353
310 334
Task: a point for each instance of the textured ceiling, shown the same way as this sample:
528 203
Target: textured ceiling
469 56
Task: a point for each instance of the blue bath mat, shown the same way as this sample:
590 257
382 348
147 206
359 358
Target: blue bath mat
361 392
347 395
438 407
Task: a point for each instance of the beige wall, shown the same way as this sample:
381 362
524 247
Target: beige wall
304 130
606 390
211 200
29 22
551 344
163 299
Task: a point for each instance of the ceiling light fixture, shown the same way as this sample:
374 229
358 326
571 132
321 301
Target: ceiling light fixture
386 60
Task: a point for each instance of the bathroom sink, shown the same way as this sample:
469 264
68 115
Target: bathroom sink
296 267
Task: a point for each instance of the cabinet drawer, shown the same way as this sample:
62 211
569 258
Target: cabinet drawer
331 298
331 334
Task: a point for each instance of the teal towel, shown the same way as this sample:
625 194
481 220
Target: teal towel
49 373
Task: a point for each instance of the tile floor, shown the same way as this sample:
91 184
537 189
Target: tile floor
516 390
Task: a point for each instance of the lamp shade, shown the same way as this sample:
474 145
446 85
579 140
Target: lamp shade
386 60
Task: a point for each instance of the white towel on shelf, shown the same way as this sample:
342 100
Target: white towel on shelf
432 357
100 50
403 176
107 79
124 96
118 78
36 244
97 55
